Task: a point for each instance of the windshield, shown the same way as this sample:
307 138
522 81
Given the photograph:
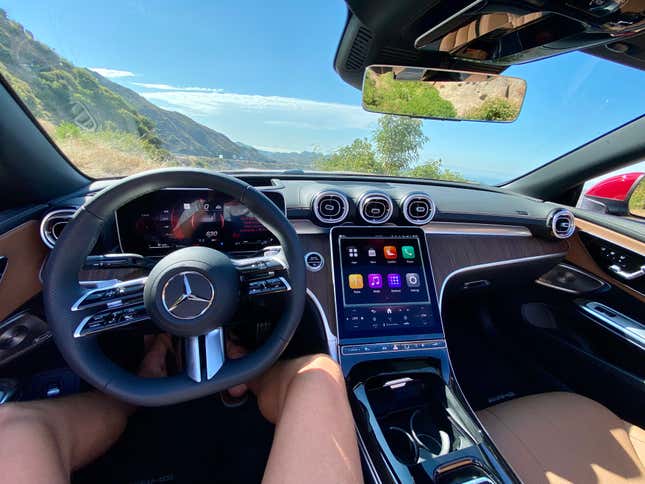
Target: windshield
128 86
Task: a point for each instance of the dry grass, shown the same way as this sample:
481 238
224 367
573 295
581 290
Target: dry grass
104 155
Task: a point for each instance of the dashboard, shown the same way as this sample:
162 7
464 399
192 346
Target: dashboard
379 253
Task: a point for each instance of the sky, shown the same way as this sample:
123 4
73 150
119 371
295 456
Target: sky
262 73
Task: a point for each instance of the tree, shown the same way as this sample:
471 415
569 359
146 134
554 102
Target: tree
433 170
398 142
359 157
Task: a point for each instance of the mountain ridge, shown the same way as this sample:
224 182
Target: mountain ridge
57 91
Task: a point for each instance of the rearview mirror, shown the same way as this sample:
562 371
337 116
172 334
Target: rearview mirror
442 94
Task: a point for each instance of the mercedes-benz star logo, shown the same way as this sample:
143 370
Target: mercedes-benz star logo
187 295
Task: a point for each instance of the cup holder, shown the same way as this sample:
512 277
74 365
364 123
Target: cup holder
413 415
427 434
402 445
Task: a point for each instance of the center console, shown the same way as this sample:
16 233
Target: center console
413 423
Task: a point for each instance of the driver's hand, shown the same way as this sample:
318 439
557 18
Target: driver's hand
156 350
234 351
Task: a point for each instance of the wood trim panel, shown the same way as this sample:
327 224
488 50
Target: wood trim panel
611 236
449 253
579 256
321 283
25 253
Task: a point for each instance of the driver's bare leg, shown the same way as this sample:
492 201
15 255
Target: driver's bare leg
45 440
315 438
315 441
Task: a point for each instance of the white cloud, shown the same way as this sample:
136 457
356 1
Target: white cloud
111 73
167 87
276 149
296 113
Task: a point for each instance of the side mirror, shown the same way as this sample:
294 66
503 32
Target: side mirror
617 195
636 202
442 94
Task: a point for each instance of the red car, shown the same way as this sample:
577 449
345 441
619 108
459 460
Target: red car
613 195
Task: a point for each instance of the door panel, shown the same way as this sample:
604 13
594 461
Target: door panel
25 253
584 253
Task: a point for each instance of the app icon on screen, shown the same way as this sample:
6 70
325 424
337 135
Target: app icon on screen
394 281
371 252
352 252
412 279
355 281
389 251
407 251
374 281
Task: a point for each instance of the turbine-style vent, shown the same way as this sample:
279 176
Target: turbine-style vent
418 208
53 224
330 207
376 207
563 224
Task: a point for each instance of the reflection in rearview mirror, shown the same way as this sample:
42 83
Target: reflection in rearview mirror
442 94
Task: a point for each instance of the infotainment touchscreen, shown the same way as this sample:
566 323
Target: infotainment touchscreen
383 283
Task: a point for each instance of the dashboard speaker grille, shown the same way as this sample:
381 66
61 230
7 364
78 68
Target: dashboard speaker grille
53 224
331 207
418 208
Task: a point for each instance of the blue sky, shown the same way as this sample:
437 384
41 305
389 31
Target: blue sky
262 73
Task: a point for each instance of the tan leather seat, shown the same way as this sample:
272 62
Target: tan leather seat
564 437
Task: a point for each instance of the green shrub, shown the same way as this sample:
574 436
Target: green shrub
637 200
494 109
67 130
410 98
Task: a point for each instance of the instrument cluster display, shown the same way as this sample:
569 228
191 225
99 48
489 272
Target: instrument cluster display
166 220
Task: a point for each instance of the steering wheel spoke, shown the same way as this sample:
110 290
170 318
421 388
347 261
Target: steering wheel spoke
94 322
204 355
263 275
110 294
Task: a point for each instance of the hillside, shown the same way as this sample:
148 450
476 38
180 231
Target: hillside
57 91
60 94
182 135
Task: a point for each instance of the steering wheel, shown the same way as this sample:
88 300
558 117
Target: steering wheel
191 293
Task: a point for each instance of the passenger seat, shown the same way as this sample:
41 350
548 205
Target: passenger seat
563 437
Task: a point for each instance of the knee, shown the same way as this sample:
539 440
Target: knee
321 368
14 414
26 419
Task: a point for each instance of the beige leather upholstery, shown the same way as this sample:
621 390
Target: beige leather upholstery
484 25
564 437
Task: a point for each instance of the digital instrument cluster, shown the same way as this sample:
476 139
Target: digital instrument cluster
166 220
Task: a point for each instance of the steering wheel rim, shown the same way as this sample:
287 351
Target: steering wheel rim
61 289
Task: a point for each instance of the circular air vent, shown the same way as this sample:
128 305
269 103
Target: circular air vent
330 207
418 208
562 224
376 207
53 224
